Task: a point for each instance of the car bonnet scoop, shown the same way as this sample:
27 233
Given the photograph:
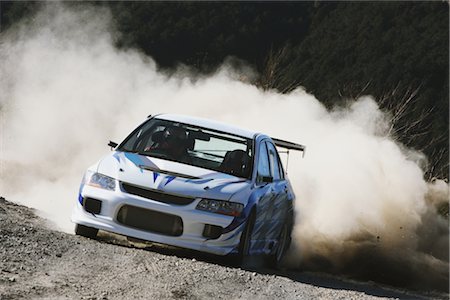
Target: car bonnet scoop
175 174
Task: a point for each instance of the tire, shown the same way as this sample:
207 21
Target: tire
244 244
86 231
284 241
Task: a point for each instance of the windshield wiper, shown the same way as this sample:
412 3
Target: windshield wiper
151 154
128 151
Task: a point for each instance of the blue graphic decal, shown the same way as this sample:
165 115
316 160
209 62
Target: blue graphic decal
135 159
169 179
237 231
199 181
80 198
116 156
155 175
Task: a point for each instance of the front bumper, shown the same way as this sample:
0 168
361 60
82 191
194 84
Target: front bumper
194 221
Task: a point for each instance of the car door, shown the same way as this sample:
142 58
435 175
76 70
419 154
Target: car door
264 190
279 205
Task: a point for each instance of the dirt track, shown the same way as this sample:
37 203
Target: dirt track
40 263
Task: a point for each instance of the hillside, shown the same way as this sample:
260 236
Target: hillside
396 51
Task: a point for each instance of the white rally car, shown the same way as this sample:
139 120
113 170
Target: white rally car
192 183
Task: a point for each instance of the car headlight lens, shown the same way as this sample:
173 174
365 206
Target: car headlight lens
220 207
100 181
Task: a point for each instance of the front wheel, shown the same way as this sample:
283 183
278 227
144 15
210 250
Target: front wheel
86 231
244 244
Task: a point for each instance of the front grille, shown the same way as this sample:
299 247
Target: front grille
156 195
150 220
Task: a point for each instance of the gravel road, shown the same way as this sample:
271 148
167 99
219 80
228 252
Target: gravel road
40 263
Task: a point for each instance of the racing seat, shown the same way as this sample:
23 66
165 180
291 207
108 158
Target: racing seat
153 141
236 163
190 143
157 137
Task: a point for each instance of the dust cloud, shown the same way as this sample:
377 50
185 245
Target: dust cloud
363 208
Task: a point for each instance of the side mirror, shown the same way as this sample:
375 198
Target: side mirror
267 179
112 144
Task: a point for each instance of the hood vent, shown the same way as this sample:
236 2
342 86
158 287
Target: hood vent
148 168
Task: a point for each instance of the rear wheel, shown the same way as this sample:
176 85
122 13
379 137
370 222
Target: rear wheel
284 241
86 231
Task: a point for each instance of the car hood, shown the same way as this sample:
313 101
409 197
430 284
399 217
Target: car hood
171 177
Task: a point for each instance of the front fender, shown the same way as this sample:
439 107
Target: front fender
252 204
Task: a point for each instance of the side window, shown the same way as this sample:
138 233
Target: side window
263 163
277 173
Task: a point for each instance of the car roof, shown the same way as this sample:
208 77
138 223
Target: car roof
219 126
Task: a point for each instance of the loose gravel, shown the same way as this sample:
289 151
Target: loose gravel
37 262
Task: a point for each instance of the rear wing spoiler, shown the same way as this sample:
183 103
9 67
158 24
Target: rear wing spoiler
289 145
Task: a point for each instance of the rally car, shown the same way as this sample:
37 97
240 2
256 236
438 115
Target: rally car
192 183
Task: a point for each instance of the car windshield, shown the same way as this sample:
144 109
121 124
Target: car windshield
192 145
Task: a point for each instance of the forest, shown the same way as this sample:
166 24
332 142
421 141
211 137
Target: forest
396 51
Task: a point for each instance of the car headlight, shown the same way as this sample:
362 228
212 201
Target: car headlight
100 181
220 207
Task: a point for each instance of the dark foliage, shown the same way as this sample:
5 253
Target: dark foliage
203 34
385 49
396 51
